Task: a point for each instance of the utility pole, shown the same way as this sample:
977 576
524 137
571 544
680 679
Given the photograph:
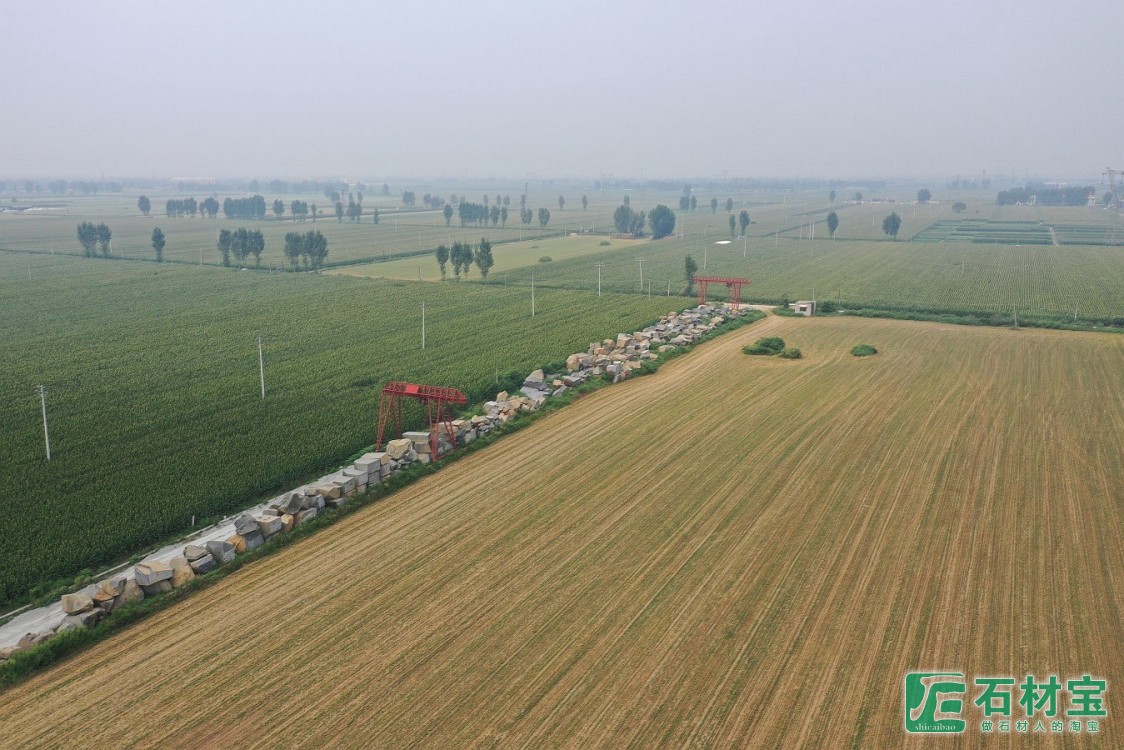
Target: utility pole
423 325
745 244
532 295
641 262
668 288
649 288
599 267
261 367
46 435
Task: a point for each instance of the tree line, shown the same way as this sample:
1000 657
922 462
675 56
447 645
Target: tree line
463 255
241 243
661 220
91 235
1046 196
244 208
310 247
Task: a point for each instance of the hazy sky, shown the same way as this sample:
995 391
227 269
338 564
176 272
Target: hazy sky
578 89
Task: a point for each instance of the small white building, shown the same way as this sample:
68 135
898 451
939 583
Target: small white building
804 307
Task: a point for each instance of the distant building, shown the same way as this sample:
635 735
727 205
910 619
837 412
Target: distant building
804 307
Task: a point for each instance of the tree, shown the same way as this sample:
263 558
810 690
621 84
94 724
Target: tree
831 197
544 217
494 213
257 245
733 224
254 186
354 211
858 197
447 212
585 203
624 219
694 203
743 220
315 212
461 255
375 215
442 259
104 236
684 203
503 216
729 204
144 204
627 200
561 203
316 248
959 207
158 243
385 189
714 205
87 238
662 221
294 246
210 206
690 268
339 212
278 208
226 238
483 257
923 195
832 223
409 198
891 224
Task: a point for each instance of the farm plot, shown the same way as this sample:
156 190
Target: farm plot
154 403
507 256
785 541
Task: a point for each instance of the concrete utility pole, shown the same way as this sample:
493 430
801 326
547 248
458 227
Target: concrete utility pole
599 267
261 367
649 288
669 289
532 295
46 435
423 325
641 262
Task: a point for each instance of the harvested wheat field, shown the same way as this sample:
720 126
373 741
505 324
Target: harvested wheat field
736 552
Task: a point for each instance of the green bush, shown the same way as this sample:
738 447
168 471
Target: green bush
767 346
605 243
545 259
863 350
792 353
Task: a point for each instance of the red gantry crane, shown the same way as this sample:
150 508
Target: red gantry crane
433 399
731 282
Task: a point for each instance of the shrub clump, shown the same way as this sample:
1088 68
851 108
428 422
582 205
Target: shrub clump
605 243
767 346
545 259
791 353
863 350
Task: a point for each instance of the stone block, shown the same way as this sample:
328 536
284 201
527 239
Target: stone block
203 564
155 589
220 551
397 449
180 576
74 603
149 573
269 525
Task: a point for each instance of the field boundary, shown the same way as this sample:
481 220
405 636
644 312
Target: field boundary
24 663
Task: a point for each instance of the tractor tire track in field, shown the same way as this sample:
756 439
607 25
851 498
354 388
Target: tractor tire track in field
737 551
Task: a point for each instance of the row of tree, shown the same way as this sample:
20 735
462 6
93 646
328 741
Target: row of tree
661 220
244 208
242 243
463 255
90 236
309 247
1045 196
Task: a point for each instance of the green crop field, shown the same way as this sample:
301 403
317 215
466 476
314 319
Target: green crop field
507 256
154 405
